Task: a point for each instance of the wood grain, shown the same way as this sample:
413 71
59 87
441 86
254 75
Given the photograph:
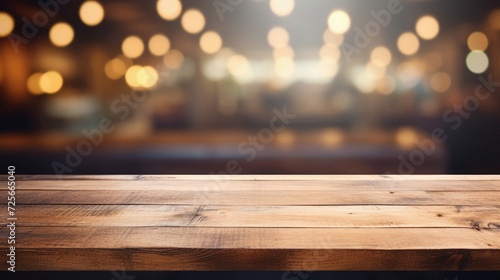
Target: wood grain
261 185
257 216
245 177
264 197
254 222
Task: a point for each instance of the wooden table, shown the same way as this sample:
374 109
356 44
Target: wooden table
198 222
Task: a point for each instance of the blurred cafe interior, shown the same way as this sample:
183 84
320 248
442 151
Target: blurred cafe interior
250 86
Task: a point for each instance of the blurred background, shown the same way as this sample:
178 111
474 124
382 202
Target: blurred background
247 86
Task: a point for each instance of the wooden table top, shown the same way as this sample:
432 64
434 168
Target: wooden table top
255 222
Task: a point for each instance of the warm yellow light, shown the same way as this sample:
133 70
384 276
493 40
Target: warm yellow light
173 59
91 13
51 82
329 52
375 71
406 137
328 68
284 67
332 137
131 76
427 27
339 22
440 81
285 51
285 138
132 47
362 79
159 45
215 68
6 24
238 65
477 41
169 9
331 38
34 83
282 7
147 76
477 62
408 43
278 37
210 42
115 68
61 34
193 21
381 56
386 85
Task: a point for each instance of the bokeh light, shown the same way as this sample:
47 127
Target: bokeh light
408 43
115 68
386 85
33 83
375 71
477 41
427 27
282 7
329 52
159 45
132 47
339 21
238 65
406 137
328 68
284 67
51 82
285 51
147 77
131 76
6 24
285 138
440 81
278 37
169 9
61 34
362 79
91 13
477 62
173 59
193 21
215 68
381 56
210 42
332 137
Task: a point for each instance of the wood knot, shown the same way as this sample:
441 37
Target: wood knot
475 225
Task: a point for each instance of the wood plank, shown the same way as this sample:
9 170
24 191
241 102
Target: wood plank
193 259
254 238
244 177
480 217
192 185
266 197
